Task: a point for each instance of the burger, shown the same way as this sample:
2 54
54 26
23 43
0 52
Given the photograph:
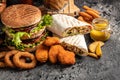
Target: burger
24 26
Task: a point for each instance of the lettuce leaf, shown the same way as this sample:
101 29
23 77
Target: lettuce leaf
21 46
46 20
17 38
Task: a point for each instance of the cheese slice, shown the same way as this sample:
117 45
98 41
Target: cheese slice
64 25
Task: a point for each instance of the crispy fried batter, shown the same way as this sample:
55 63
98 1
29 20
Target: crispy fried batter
24 65
92 13
66 57
2 63
53 53
86 15
88 8
42 53
8 58
51 41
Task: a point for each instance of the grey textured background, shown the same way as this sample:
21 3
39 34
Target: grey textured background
86 68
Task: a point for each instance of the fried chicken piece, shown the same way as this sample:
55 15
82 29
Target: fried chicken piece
53 53
51 41
66 58
42 53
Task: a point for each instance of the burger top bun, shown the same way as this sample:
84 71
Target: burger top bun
20 15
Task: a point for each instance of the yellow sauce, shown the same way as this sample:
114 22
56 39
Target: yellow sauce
100 33
99 36
101 26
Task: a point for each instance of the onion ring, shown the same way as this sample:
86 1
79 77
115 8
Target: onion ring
22 59
2 63
23 65
8 56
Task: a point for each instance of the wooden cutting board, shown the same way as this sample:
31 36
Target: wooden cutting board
69 9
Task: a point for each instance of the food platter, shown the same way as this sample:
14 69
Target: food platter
86 68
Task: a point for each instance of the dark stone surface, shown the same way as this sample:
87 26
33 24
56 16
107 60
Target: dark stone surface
86 68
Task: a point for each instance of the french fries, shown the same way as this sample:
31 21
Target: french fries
89 14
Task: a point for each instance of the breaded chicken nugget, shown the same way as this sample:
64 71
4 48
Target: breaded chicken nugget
51 41
42 53
66 58
53 52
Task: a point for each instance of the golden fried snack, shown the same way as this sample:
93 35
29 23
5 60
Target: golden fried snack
8 58
93 55
90 12
92 46
53 53
88 8
86 15
42 53
66 57
24 65
98 50
2 63
51 41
